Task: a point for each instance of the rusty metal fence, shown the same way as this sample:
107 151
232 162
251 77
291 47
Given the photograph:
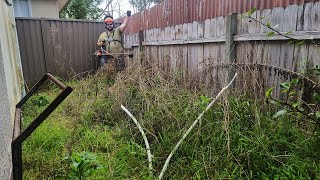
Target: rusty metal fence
63 47
173 12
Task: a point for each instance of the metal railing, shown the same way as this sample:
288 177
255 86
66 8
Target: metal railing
18 138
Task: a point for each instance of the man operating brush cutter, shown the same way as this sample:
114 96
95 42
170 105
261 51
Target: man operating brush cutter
110 46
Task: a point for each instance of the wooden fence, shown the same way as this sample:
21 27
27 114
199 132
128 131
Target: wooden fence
210 47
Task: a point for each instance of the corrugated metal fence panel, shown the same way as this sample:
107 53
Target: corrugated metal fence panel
173 12
31 49
62 47
71 45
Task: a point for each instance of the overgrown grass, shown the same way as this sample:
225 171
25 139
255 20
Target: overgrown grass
236 139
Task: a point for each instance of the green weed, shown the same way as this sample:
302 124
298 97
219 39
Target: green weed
90 120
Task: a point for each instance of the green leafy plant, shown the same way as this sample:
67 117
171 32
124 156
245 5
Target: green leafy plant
83 165
293 104
317 70
40 101
204 102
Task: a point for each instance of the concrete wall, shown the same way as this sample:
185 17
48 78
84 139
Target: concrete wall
11 82
48 9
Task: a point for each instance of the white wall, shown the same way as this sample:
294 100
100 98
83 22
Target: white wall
48 8
11 83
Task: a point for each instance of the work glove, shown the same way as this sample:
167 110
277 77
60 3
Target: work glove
129 13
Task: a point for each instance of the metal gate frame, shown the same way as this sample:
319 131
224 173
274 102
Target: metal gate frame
16 145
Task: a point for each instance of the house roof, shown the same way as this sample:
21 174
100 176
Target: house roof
62 4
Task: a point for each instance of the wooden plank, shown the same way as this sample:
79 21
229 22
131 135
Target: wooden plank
190 41
252 25
213 61
185 31
290 18
316 20
257 25
178 32
184 63
200 33
277 20
313 60
300 35
248 57
314 51
222 73
156 34
240 59
192 51
275 51
172 49
162 35
167 33
287 51
239 24
213 29
301 52
258 79
266 16
301 59
166 65
244 25
207 49
147 37
185 50
172 33
300 18
207 28
199 59
220 26
309 17
173 59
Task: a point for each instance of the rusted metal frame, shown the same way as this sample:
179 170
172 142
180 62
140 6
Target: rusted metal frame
16 145
17 123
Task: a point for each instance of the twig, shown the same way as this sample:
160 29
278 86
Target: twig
105 8
192 126
296 109
144 138
283 35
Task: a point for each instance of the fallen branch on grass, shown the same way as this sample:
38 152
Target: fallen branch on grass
192 126
144 138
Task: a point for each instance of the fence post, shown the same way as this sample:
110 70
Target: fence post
230 45
141 39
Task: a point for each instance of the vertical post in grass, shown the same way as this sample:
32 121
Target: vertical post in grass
230 44
141 40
